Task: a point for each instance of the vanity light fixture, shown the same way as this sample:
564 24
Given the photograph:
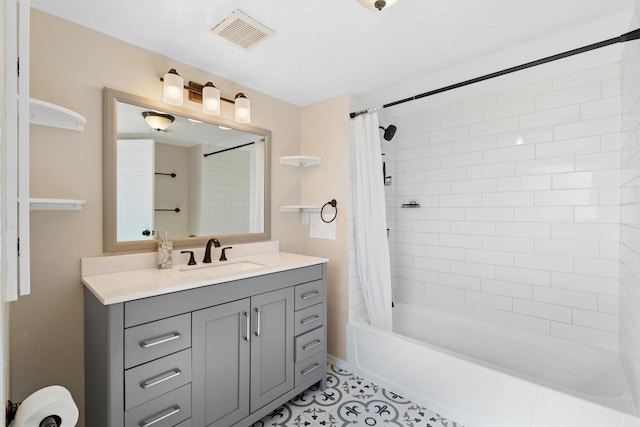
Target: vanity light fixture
210 99
158 121
173 84
243 108
208 95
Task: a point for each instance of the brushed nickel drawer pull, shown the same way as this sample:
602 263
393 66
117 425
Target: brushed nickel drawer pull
310 319
310 369
160 340
161 416
160 378
310 295
257 322
248 326
311 345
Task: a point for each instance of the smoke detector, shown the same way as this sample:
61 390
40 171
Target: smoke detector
377 4
242 30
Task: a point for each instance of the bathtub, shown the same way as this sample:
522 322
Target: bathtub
484 375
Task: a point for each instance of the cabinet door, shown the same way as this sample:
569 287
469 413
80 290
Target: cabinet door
272 369
220 369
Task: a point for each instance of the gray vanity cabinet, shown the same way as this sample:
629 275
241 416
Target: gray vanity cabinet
272 372
214 356
221 354
242 357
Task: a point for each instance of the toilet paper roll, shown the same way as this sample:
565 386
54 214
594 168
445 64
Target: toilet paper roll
53 402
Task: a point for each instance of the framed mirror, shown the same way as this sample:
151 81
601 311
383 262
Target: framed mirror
175 170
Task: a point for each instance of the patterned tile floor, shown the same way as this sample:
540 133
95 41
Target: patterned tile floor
351 401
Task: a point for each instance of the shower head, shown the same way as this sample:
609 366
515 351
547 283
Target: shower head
389 132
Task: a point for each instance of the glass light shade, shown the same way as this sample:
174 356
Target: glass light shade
374 5
158 121
211 100
173 91
243 109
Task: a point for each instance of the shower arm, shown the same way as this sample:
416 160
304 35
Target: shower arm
631 35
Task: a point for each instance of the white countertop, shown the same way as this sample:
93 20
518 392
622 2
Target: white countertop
122 286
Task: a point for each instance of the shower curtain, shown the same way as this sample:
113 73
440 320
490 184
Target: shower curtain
370 223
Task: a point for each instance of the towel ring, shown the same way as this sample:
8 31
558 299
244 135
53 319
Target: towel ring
333 203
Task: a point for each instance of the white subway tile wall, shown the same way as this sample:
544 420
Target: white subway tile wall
520 206
629 250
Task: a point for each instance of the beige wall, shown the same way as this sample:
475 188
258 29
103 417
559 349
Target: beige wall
325 133
70 66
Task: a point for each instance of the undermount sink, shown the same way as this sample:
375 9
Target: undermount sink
226 268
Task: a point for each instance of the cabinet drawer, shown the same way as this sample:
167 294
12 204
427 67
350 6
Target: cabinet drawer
156 339
309 318
310 369
165 411
309 344
185 423
153 379
309 294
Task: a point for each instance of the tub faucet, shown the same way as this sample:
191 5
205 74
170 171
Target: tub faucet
207 251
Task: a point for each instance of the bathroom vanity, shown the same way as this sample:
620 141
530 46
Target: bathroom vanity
221 345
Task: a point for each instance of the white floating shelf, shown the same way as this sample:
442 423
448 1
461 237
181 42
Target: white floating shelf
36 204
47 114
300 208
301 160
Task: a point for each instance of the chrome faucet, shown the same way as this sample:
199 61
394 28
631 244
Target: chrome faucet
207 251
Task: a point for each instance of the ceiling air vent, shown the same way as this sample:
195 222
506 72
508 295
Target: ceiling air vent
242 30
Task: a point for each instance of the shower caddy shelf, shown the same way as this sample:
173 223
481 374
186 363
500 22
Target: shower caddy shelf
300 161
52 115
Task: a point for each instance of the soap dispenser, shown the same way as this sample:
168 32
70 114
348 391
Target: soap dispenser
165 248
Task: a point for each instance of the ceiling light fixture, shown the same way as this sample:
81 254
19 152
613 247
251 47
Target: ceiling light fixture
158 121
377 4
208 95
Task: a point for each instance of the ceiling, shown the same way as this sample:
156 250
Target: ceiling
325 48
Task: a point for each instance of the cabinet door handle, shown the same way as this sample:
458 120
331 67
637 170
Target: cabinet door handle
310 369
310 319
311 345
160 378
257 322
159 417
247 322
310 295
160 340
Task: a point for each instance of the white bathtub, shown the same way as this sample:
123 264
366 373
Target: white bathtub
483 375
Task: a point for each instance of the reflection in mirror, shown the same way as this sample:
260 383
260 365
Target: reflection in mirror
174 170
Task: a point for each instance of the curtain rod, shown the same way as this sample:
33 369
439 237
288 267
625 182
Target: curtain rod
228 149
632 35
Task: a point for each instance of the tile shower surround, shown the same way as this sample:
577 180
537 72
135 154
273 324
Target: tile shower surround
520 196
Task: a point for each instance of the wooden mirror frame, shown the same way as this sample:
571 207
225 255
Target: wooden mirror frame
111 244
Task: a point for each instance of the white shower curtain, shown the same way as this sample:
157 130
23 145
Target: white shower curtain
370 223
